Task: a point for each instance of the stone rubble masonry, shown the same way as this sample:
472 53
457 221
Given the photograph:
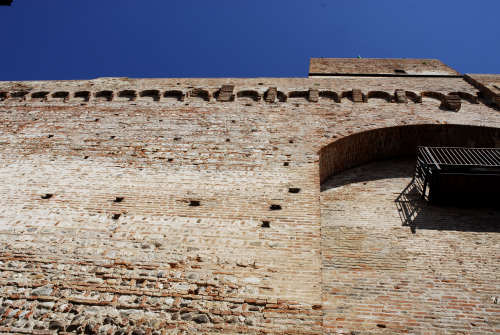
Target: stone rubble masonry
160 206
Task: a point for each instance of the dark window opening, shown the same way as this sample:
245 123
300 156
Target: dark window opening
266 224
275 207
286 164
194 203
116 216
294 190
118 199
47 196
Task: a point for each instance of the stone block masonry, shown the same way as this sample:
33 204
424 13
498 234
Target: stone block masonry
159 206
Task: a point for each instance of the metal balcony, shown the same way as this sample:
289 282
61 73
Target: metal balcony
454 175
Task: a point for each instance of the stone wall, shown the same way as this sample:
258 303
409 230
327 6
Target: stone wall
184 205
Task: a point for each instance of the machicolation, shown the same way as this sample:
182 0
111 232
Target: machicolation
448 100
251 206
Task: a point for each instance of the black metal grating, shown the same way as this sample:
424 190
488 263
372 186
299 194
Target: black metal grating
455 156
454 172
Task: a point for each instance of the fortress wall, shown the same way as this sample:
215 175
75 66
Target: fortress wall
200 242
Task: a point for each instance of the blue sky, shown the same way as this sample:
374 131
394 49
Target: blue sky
83 39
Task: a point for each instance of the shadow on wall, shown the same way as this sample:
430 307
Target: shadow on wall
416 213
366 173
386 143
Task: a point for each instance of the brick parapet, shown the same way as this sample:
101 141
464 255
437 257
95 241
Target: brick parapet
378 66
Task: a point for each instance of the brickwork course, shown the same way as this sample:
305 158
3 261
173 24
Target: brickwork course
252 206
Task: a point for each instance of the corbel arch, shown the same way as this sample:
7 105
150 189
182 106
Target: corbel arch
249 94
380 95
332 95
473 99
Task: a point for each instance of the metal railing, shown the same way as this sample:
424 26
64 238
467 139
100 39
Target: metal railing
432 161
456 156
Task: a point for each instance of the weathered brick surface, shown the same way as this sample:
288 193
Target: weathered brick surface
179 205
383 143
379 277
488 85
396 66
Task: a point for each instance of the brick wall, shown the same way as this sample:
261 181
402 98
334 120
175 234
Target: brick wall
394 264
379 144
161 205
